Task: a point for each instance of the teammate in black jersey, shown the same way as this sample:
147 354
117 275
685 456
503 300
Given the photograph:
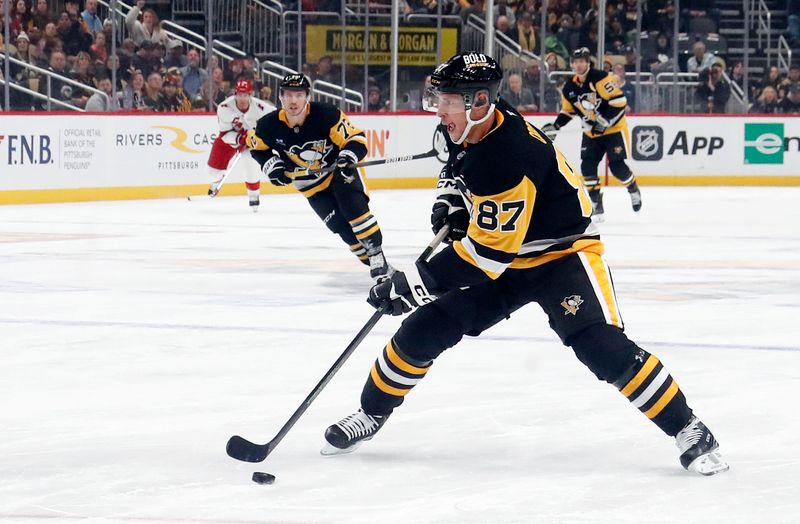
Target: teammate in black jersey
529 238
593 95
293 144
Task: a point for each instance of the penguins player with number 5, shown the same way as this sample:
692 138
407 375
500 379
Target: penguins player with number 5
529 239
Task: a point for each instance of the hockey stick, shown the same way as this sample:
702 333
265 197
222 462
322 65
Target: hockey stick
381 161
228 171
242 449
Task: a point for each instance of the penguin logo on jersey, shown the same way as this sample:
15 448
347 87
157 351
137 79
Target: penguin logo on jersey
310 155
572 303
588 104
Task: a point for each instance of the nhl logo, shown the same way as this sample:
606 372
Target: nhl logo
648 143
572 303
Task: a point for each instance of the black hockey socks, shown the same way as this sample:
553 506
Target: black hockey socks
367 230
650 388
390 379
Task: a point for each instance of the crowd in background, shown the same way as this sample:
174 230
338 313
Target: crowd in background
155 73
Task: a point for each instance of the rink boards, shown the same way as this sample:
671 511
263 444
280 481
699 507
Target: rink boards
77 157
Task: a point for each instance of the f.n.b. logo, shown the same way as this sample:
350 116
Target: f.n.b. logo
648 143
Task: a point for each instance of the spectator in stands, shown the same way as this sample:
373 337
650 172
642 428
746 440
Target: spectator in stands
82 69
589 34
700 59
232 72
375 102
41 15
111 63
93 21
71 33
502 8
629 15
99 103
631 59
503 26
324 70
616 38
193 76
248 67
525 34
627 88
773 78
20 18
661 58
518 96
107 30
791 102
133 95
793 20
73 9
59 90
767 103
152 91
713 91
175 56
422 7
173 99
98 49
50 40
218 92
145 59
148 29
793 77
567 34
736 74
530 77
265 93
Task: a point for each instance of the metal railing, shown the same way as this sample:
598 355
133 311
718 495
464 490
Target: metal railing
509 54
271 74
761 12
784 53
49 77
188 7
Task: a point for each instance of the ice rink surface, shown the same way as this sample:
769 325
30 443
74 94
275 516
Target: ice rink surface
138 336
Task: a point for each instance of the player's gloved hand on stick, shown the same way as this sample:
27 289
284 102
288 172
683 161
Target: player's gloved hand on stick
403 292
449 210
274 170
598 127
241 140
346 159
550 130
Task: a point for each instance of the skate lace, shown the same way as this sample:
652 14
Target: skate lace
357 425
689 436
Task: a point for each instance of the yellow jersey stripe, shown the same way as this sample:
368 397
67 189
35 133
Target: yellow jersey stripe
606 287
588 245
316 189
659 406
398 361
462 252
640 377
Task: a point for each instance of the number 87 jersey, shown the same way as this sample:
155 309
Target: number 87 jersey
527 205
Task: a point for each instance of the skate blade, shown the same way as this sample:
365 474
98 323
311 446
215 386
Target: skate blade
709 464
331 451
254 209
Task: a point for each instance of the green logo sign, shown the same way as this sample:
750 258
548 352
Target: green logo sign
763 144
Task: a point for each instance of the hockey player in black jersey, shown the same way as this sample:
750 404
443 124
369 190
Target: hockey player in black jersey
529 238
293 144
593 95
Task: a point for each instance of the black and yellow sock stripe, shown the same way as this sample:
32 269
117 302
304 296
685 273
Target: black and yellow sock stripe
649 386
395 374
361 252
365 226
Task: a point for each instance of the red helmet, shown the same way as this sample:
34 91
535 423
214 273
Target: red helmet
244 85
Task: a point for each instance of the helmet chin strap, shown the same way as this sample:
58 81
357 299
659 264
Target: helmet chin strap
471 123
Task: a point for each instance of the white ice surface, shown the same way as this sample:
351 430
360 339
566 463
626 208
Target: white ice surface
136 337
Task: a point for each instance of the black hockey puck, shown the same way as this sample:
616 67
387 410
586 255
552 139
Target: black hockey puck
263 478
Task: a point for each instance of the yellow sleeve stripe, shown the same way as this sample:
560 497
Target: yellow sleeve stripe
604 93
668 395
502 213
254 142
343 132
640 377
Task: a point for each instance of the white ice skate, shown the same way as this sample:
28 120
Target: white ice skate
699 449
349 433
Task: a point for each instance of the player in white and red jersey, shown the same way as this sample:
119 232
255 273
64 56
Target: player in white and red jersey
237 115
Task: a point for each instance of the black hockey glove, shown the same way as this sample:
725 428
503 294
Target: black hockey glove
598 127
403 292
449 210
275 172
550 130
346 159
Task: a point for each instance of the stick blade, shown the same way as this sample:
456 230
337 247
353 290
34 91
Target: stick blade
246 451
